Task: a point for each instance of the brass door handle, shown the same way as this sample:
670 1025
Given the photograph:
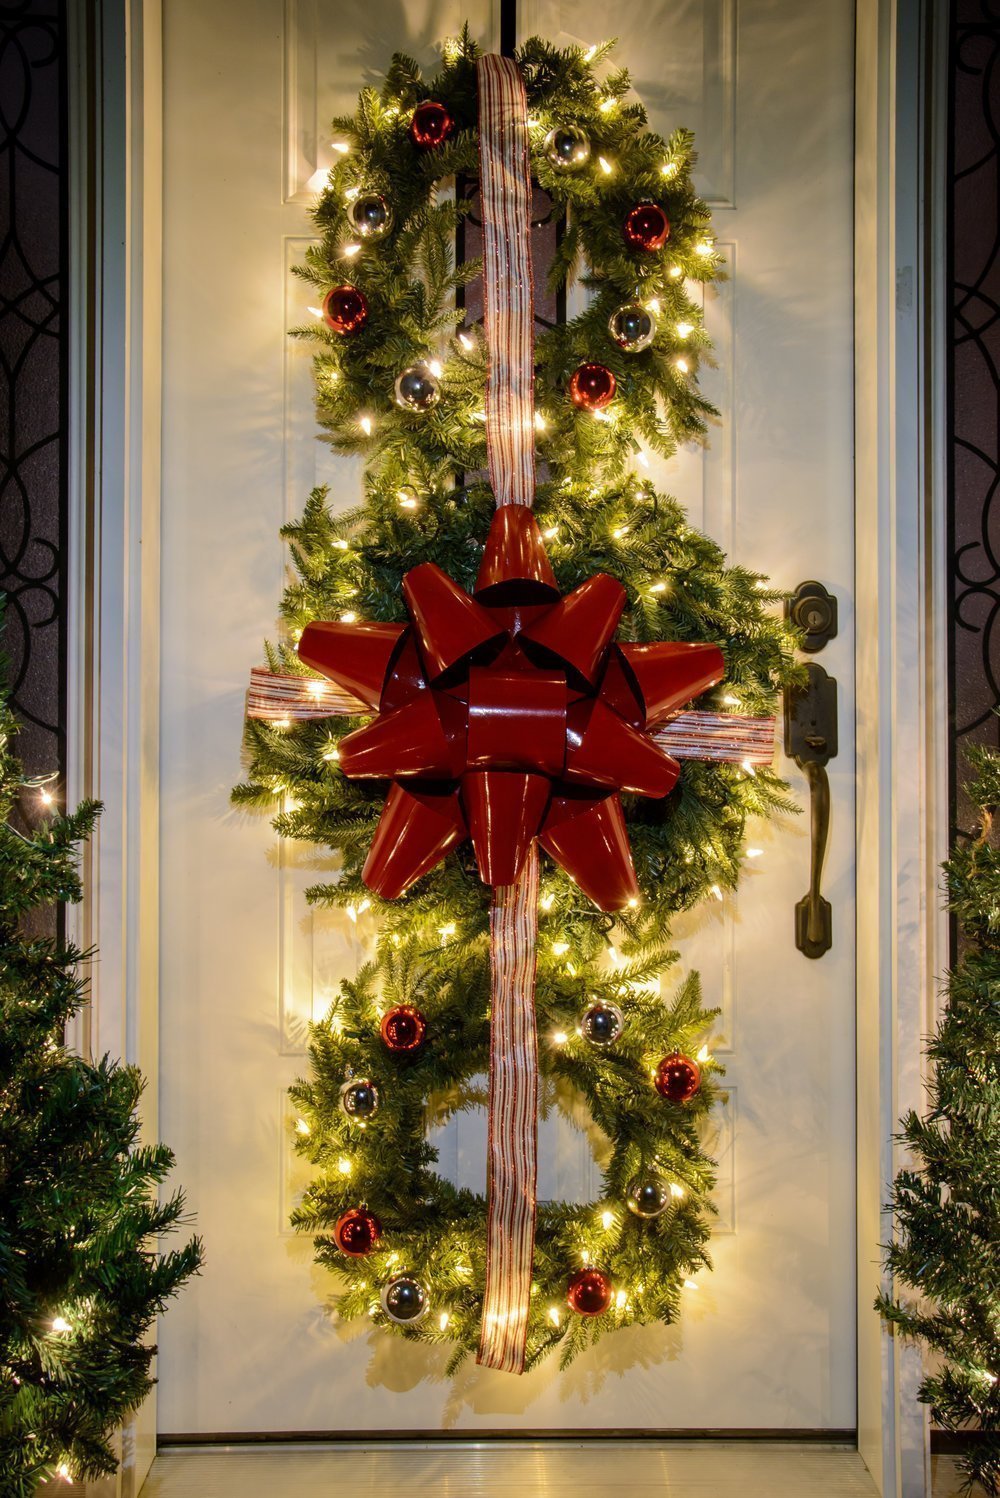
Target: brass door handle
813 917
811 740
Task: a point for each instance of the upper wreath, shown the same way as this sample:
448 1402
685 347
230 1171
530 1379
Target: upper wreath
620 373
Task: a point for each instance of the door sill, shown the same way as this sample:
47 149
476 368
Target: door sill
694 1468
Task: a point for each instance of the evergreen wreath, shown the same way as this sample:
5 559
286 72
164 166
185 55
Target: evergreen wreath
427 499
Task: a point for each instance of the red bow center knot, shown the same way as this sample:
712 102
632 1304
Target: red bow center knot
508 715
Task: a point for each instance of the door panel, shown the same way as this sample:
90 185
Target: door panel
768 1339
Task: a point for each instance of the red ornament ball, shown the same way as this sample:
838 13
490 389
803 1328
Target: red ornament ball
589 1292
678 1078
432 124
357 1232
345 309
646 227
592 387
403 1029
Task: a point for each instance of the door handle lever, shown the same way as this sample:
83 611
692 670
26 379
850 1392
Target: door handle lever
811 740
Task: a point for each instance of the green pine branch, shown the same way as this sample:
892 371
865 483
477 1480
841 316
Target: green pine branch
81 1278
945 1255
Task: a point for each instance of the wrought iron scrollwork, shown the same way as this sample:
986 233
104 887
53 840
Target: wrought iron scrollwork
974 376
33 364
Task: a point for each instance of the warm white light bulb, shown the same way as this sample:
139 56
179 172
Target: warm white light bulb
559 1037
350 250
341 147
344 1166
365 423
349 618
466 341
60 1324
605 165
559 948
685 329
607 1220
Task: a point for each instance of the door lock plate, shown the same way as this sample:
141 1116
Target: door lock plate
813 610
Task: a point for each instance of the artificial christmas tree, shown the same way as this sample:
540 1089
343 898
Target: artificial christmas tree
947 1203
534 696
81 1279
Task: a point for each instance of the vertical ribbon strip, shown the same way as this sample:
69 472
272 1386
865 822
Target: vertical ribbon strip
505 195
513 1128
505 192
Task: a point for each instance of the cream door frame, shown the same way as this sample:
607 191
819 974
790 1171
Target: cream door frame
116 108
115 111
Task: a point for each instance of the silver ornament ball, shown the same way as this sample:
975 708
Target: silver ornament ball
602 1023
359 1099
417 388
404 1300
567 148
370 215
633 327
648 1196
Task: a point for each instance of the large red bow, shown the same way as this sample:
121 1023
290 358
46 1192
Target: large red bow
508 715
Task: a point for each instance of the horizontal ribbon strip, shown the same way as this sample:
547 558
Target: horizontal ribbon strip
729 738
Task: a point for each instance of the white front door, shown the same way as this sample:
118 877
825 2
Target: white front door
767 1342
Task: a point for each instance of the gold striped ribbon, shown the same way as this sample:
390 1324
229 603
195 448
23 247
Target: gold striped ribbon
281 698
